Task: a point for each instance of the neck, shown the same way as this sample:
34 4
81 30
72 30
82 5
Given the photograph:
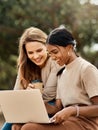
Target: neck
72 58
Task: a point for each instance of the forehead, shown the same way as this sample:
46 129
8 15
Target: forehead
34 45
52 47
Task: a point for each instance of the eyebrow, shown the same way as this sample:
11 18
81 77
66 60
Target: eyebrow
53 50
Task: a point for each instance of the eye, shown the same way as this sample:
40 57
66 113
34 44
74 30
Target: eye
55 52
39 50
30 52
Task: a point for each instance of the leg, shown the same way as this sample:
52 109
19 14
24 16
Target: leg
7 126
34 126
16 126
72 123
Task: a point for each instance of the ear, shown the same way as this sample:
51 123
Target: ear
70 47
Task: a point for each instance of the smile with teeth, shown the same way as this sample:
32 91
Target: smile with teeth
38 60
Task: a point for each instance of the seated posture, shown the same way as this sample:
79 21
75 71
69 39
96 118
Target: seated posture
35 65
77 89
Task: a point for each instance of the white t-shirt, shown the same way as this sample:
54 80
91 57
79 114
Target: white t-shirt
78 83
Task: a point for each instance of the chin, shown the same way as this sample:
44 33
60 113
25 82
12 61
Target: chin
41 64
62 64
59 63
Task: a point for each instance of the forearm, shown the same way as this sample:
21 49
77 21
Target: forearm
88 111
52 109
65 113
91 110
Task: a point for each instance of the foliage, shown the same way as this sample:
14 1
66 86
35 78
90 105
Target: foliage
16 15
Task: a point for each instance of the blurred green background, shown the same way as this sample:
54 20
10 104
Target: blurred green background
79 16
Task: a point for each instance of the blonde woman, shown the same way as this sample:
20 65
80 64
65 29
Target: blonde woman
34 65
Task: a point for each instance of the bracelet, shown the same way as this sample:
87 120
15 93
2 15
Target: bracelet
77 110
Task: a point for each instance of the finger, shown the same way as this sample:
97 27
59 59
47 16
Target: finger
31 86
53 119
58 120
28 88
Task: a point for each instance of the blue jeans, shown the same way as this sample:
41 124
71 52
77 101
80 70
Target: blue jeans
7 126
51 103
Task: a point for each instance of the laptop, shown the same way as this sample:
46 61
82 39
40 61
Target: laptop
22 106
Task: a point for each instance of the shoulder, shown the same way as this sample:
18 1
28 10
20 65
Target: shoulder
87 69
86 65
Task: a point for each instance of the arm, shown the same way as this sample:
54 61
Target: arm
52 109
17 83
86 111
92 110
49 78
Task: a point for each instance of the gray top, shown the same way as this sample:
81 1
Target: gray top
49 79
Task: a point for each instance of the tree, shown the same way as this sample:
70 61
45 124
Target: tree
16 15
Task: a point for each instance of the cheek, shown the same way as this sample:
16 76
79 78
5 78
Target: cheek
63 58
29 56
44 53
60 55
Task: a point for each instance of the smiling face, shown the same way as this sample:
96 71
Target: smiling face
59 54
36 52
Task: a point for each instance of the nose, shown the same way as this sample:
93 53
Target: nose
35 55
53 57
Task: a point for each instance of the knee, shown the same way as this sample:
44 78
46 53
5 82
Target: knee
30 126
16 127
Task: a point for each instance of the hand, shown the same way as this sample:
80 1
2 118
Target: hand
63 115
30 86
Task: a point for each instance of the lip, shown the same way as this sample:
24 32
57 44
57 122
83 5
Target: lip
38 60
58 61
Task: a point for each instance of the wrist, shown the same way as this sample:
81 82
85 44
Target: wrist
75 110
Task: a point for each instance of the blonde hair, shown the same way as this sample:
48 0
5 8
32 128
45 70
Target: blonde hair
28 70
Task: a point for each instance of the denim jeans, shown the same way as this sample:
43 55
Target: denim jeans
7 126
51 103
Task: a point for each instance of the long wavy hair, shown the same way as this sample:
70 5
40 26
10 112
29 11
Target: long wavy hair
27 69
